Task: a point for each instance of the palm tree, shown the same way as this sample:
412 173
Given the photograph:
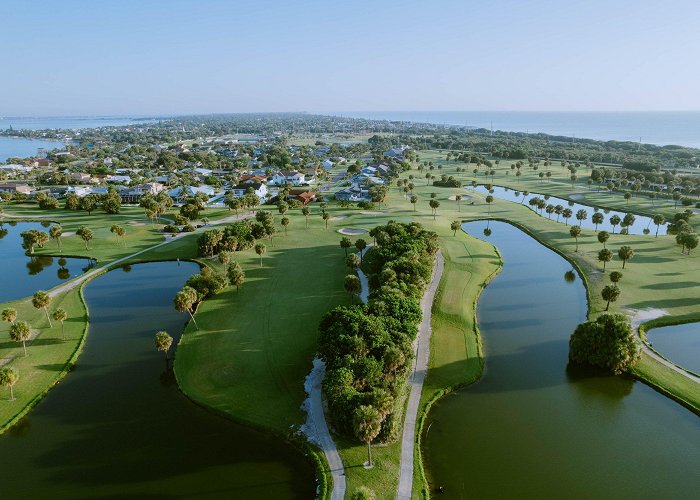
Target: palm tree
361 244
550 210
352 284
615 276
434 205
61 315
567 213
345 243
581 215
55 233
306 211
558 209
285 223
575 232
458 198
224 257
610 293
658 220
489 199
455 226
85 234
8 378
603 236
367 422
118 230
41 300
352 261
326 217
19 332
597 218
625 253
163 342
614 221
185 300
9 315
604 256
235 274
414 200
260 249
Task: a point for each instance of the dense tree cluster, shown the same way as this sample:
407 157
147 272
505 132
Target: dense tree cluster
607 342
240 235
367 348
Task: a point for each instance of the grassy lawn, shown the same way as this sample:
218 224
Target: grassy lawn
49 357
254 348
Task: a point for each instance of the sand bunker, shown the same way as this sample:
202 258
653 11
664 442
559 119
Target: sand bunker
351 231
373 212
639 316
464 197
339 217
67 233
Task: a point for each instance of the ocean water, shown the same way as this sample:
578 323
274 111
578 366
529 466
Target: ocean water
660 128
23 148
69 122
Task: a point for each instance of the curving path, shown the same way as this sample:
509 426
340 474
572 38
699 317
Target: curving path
422 352
637 317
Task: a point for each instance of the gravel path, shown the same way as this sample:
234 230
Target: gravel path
422 351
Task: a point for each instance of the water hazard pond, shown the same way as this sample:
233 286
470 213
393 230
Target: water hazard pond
535 427
119 427
23 275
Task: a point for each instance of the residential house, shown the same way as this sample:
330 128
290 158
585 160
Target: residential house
286 177
181 193
398 153
258 188
355 192
15 188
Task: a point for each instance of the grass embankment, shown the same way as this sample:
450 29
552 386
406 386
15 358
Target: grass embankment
49 356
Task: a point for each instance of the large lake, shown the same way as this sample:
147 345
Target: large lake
118 427
11 147
534 427
678 343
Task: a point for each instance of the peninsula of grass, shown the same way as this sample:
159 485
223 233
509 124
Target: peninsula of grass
49 356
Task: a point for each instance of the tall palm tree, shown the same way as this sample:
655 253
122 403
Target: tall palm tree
345 243
55 233
352 285
41 300
326 217
9 315
185 301
235 274
575 232
489 199
458 198
604 256
367 422
434 205
61 315
614 221
567 213
414 200
306 211
597 218
610 293
625 253
603 237
19 332
658 220
285 223
455 225
8 378
581 215
260 249
361 244
163 342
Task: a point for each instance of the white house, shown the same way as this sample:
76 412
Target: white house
181 193
258 188
118 179
327 164
286 177
15 168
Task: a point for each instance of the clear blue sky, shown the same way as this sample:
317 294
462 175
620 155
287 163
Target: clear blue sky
166 57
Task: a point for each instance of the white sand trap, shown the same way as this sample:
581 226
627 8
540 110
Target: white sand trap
464 197
639 316
339 217
577 196
373 212
351 232
67 233
134 223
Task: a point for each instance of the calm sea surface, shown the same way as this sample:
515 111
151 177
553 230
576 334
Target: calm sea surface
672 127
67 122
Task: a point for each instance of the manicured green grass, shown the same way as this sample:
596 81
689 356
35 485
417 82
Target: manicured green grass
49 357
254 348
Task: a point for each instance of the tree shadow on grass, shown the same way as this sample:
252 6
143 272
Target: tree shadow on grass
671 285
52 367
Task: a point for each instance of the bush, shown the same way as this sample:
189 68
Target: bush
187 228
363 493
607 342
169 228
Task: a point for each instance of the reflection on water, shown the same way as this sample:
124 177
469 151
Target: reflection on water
536 427
26 273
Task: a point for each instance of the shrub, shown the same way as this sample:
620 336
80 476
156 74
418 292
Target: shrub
607 342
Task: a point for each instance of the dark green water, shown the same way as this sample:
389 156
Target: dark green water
533 427
679 343
118 427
